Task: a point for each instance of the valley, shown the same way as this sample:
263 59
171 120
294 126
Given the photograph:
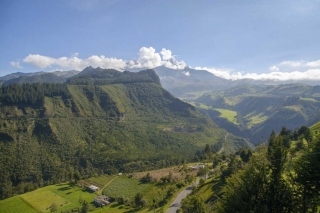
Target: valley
252 111
125 134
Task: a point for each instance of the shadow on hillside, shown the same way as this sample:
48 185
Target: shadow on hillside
64 188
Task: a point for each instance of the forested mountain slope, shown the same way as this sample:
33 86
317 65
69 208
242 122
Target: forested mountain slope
102 121
252 111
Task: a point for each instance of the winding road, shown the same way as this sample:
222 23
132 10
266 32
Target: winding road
175 205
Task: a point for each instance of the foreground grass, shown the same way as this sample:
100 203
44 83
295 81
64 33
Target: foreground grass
65 197
16 204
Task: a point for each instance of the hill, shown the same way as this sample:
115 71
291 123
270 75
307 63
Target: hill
103 121
257 109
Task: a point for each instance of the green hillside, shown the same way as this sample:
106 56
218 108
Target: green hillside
279 176
260 108
51 132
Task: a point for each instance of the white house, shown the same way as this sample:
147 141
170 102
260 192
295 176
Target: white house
93 188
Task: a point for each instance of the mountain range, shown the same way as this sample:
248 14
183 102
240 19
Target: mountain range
99 121
259 106
187 84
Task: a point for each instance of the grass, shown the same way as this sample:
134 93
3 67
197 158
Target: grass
43 199
308 99
293 108
202 106
127 187
16 204
232 100
228 114
212 187
256 119
65 196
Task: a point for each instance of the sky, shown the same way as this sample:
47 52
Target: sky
233 39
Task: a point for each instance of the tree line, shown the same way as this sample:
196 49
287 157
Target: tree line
31 94
277 179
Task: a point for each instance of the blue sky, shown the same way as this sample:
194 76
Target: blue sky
231 38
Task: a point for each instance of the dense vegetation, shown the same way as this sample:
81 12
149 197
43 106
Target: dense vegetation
252 111
51 133
281 176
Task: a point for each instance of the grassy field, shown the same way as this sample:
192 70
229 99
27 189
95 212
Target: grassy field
176 171
63 195
308 99
66 197
202 106
127 187
16 204
228 114
256 119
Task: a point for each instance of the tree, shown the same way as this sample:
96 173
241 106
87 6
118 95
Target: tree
286 135
85 207
279 199
307 170
246 191
76 176
271 140
245 154
137 199
193 204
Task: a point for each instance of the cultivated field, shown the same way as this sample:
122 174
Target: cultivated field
66 197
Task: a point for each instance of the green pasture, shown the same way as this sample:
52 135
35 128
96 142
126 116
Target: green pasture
255 119
228 114
66 197
127 187
16 204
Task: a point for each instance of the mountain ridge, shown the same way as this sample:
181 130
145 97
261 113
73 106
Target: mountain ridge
61 129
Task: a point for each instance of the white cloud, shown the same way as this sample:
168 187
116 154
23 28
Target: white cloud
274 68
222 73
313 63
148 58
39 61
186 73
166 54
292 63
310 74
301 63
16 64
74 62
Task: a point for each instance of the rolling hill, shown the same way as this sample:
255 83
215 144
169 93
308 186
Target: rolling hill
258 109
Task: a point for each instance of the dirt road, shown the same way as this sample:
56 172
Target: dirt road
177 202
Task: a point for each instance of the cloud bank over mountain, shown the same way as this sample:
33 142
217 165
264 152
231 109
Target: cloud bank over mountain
149 58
